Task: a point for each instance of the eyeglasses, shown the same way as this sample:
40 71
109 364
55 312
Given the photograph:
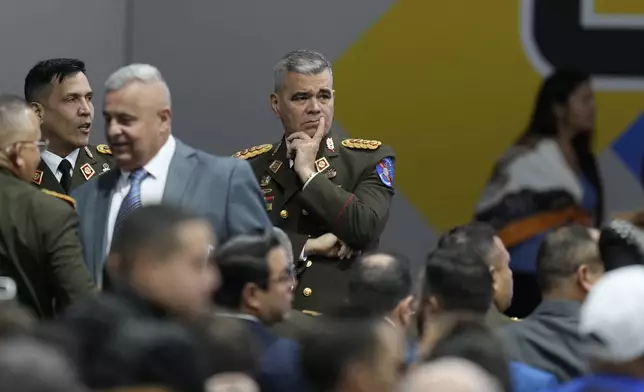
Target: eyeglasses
41 144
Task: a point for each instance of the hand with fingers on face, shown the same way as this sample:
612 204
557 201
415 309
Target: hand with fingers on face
304 149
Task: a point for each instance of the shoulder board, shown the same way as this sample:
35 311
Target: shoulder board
104 149
253 151
361 144
66 198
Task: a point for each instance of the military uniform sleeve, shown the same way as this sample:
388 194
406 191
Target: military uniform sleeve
58 225
359 217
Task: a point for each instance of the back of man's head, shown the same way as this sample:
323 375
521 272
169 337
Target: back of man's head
151 232
243 260
13 112
458 281
621 242
568 255
450 374
477 237
379 282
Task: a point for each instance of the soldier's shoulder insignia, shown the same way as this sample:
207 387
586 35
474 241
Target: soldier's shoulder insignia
253 151
70 200
361 144
104 149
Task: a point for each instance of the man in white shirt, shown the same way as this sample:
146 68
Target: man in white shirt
154 167
60 94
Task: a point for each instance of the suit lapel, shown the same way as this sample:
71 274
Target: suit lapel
280 171
179 174
83 159
106 185
49 180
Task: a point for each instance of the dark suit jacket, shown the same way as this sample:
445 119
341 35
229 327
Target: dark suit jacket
347 198
40 248
221 189
97 159
548 339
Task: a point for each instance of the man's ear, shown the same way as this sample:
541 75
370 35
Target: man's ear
249 296
404 311
275 100
38 109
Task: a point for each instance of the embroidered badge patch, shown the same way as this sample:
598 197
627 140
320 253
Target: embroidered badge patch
385 170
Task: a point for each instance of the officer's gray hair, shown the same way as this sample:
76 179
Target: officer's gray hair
302 61
144 73
12 111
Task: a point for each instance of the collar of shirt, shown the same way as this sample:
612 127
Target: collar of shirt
241 316
52 160
390 321
160 163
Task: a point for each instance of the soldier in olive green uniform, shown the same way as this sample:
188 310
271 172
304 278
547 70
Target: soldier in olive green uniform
59 92
40 249
88 166
331 196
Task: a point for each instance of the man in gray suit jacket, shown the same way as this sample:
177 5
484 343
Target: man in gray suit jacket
154 167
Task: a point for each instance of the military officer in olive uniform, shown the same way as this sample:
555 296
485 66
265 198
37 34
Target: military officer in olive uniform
59 92
331 196
40 250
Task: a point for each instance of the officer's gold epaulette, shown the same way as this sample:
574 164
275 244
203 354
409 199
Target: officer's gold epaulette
104 149
361 144
66 198
253 151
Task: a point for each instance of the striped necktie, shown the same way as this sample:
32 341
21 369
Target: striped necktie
132 200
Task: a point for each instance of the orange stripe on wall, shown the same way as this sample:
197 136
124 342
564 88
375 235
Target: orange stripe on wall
524 229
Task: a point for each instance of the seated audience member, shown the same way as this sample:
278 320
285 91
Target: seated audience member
611 324
481 239
467 336
257 283
352 355
455 281
450 374
621 242
27 365
381 284
568 265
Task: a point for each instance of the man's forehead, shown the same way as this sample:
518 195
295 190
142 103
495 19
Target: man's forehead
71 84
294 81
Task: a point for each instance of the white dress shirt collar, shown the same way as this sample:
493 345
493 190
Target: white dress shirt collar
52 160
159 164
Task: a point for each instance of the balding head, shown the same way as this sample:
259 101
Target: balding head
450 374
15 114
19 137
137 114
379 283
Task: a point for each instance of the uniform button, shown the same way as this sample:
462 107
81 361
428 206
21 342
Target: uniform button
309 263
307 292
283 214
305 212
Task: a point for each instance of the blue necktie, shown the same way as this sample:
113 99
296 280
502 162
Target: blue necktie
132 200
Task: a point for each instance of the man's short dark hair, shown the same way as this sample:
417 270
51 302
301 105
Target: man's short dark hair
460 281
46 72
476 236
149 229
242 260
379 281
561 254
334 344
621 243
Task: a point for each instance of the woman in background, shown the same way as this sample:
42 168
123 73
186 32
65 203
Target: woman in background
548 178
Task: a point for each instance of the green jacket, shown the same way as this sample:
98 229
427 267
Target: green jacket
39 246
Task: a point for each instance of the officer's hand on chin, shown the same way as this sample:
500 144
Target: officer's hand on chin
327 245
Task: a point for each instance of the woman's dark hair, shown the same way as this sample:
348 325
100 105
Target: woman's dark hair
556 89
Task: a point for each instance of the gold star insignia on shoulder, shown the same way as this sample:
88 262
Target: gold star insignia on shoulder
60 196
104 149
361 144
253 151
